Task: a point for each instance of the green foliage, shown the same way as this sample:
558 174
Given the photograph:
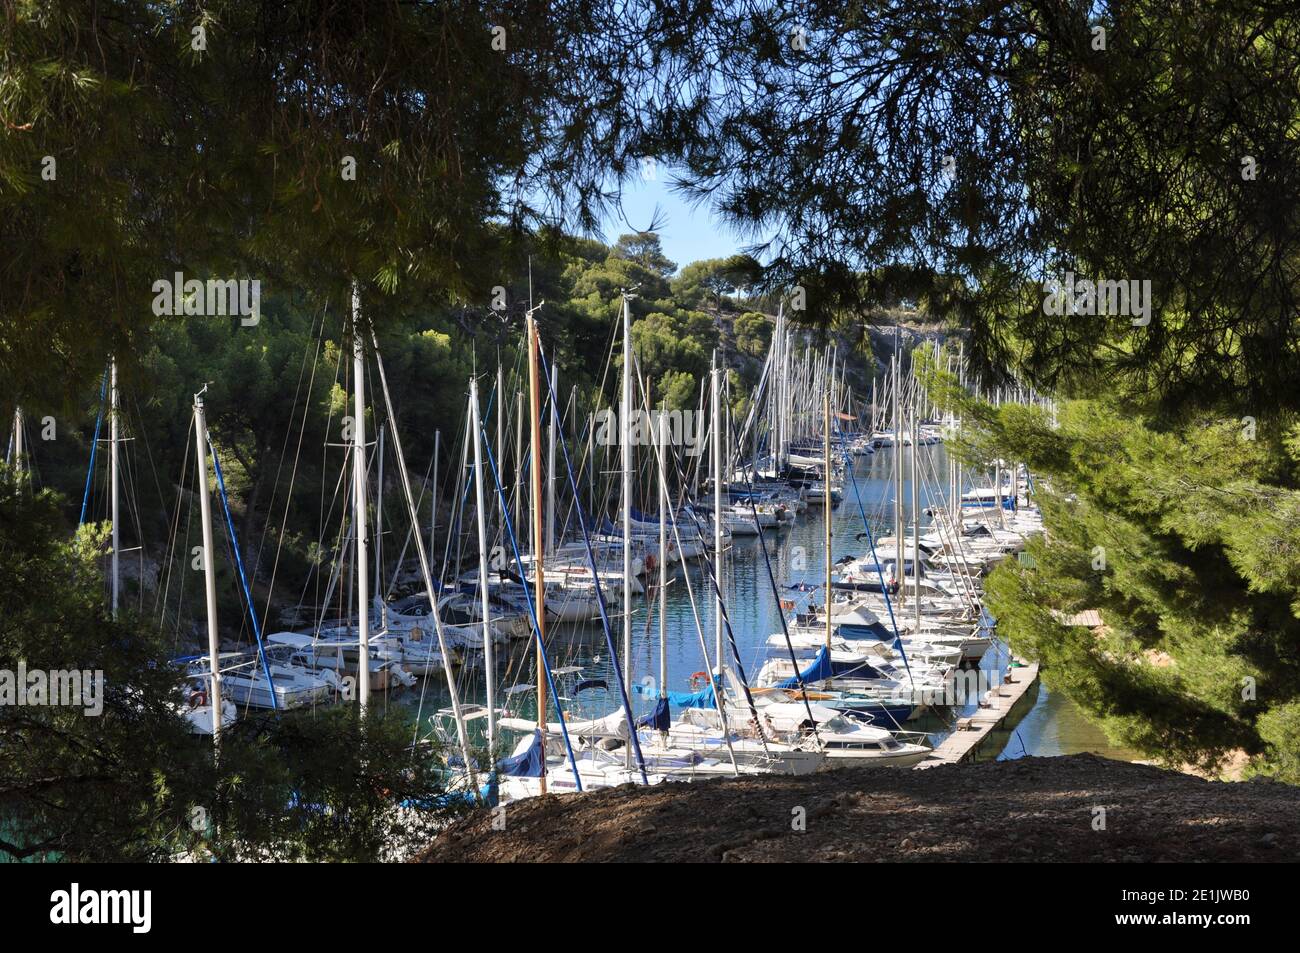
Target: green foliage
308 145
645 249
753 333
1185 541
1168 154
713 279
78 785
325 786
679 390
130 783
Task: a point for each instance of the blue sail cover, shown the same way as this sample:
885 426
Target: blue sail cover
823 668
659 719
819 671
701 699
528 764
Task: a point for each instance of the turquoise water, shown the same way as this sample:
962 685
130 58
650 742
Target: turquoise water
796 556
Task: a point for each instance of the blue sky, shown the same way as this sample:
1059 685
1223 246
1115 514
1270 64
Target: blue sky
688 234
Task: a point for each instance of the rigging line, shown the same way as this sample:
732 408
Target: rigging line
425 487
338 551
871 541
600 596
406 538
94 445
426 572
532 612
293 476
133 509
463 487
776 592
714 574
284 449
462 678
325 516
153 469
233 542
185 549
341 368
314 573
931 477
462 490
160 598
719 696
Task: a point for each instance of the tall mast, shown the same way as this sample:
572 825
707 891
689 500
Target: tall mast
625 426
663 557
379 529
18 439
359 502
956 473
489 661
916 515
539 558
433 505
898 468
519 459
115 479
209 574
413 515
778 409
717 519
826 498
550 464
501 421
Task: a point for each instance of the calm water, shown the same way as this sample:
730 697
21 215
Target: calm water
795 556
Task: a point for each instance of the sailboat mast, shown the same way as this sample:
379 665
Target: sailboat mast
961 469
539 558
898 468
717 518
916 515
359 503
413 515
18 439
501 419
489 651
433 505
826 498
550 464
663 557
780 390
379 528
519 458
625 425
114 435
209 574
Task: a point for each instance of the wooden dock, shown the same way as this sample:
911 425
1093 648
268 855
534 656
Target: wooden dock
994 713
